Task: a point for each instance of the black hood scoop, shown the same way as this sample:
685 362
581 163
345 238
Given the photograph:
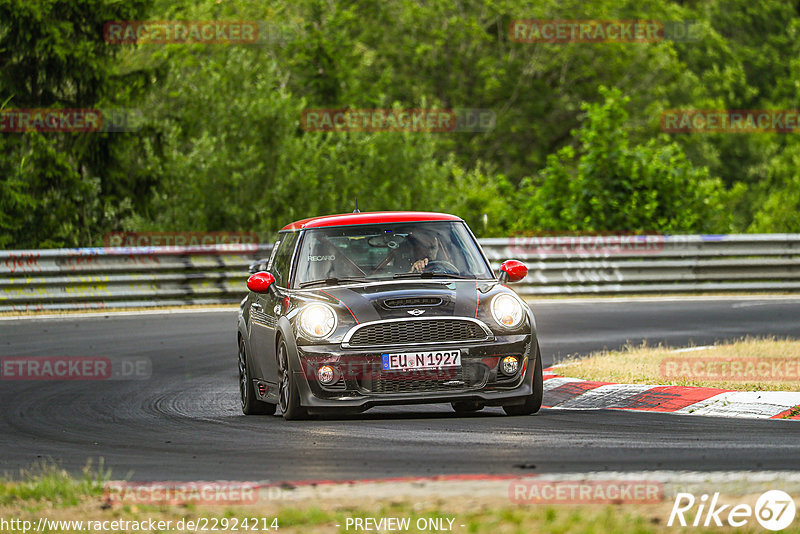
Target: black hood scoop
412 302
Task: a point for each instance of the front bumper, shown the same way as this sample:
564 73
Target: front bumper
361 383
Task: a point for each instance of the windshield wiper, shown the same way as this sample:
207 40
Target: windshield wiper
330 281
433 275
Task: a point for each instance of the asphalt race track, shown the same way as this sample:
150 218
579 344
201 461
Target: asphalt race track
184 423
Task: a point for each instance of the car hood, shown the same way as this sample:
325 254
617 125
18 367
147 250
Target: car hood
417 298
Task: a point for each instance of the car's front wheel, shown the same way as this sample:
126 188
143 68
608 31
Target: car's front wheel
288 395
533 402
250 404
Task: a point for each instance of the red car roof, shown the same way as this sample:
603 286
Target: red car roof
370 217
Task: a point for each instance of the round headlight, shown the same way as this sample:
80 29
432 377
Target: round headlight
507 311
318 320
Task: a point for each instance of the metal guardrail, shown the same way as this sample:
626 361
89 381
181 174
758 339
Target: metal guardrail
614 264
97 278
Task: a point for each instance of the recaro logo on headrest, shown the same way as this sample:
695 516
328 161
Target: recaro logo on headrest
321 258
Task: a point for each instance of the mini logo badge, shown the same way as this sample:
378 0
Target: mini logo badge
416 313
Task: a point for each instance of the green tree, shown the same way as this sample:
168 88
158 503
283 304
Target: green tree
778 209
55 185
611 184
221 148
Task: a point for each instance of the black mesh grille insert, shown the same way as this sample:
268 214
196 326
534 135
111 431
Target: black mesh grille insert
413 332
420 381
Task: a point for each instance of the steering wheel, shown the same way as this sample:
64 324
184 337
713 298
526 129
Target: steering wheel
441 265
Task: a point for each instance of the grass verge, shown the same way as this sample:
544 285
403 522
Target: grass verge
49 492
750 364
46 482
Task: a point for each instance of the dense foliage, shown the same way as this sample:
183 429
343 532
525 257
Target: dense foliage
576 146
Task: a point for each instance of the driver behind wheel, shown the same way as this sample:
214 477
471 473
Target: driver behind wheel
425 247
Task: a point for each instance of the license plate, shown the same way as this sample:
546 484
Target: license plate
421 360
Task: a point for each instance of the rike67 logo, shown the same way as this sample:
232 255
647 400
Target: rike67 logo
774 510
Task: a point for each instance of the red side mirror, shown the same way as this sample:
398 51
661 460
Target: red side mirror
260 282
514 270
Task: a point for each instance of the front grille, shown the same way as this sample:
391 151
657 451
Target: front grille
424 381
411 332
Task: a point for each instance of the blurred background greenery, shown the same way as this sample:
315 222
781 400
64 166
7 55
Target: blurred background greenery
577 144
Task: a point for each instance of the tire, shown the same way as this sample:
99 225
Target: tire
533 402
288 395
466 407
250 404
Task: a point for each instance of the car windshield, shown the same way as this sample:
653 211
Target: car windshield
387 251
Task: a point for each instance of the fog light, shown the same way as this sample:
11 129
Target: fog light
325 375
510 365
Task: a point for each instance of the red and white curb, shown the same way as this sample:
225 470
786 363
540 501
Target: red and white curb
576 394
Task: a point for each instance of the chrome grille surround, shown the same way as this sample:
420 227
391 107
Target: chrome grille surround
418 331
